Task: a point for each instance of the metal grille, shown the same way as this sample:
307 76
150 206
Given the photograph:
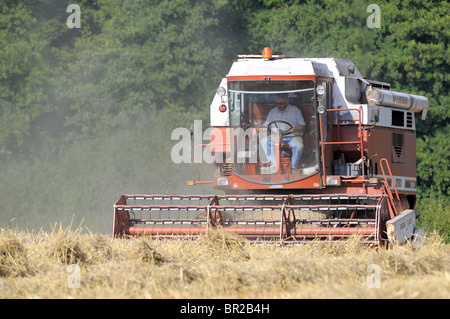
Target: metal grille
255 217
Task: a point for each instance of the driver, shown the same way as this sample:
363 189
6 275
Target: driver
293 137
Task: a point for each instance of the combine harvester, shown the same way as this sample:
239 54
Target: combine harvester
356 172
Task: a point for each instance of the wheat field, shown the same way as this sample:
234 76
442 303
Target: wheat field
66 263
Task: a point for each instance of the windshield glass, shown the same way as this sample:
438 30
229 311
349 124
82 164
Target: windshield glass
274 135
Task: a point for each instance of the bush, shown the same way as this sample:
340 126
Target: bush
434 215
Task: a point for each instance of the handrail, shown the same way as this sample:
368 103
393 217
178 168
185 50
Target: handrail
359 142
384 160
392 210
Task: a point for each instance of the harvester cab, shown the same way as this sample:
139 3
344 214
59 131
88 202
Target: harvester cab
303 149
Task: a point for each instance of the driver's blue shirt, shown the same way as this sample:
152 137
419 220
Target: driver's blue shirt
291 114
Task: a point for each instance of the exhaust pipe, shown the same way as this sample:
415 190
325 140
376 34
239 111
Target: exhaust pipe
415 103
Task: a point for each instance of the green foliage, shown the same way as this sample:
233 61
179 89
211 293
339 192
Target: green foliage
316 29
86 114
433 162
434 214
89 114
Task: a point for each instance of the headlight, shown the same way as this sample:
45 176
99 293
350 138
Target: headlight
320 109
333 180
221 91
320 90
221 181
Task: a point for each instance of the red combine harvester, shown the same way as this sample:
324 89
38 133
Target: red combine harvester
304 149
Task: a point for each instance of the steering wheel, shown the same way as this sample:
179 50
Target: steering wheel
269 127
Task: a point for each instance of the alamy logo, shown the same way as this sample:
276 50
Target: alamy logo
74 20
191 147
374 279
74 279
374 20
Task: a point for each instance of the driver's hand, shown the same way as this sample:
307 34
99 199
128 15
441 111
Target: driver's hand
292 130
